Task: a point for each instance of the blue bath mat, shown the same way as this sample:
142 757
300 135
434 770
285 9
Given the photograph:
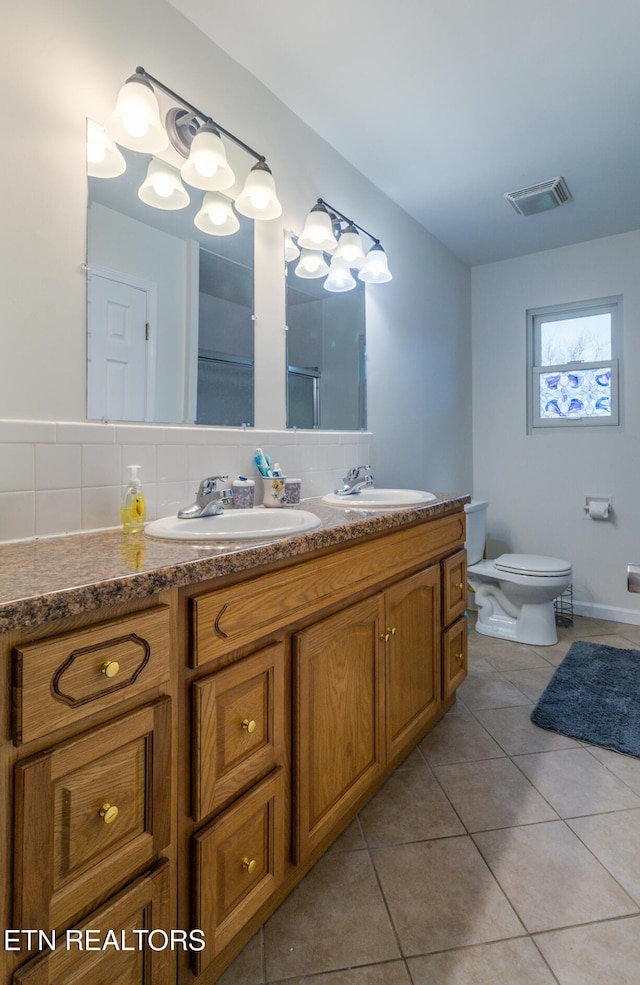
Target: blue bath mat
594 696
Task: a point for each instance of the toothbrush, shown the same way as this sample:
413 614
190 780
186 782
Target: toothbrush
263 463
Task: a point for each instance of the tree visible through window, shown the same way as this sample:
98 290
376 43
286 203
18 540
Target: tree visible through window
573 364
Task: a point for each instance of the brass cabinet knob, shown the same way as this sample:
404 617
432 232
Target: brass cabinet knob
459 584
108 813
385 637
393 631
249 864
110 668
249 725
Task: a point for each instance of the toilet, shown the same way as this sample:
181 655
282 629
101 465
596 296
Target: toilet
515 593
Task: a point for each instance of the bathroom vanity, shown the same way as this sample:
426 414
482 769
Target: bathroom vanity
188 728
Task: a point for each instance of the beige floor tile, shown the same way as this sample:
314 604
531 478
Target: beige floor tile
492 794
626 768
531 682
515 962
516 734
576 783
458 738
518 657
556 653
441 895
409 807
334 918
248 967
549 876
350 840
631 633
614 839
490 691
599 954
614 640
389 973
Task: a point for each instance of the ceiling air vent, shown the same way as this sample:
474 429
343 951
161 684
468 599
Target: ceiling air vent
539 198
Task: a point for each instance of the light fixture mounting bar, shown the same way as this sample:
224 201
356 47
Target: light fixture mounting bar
196 112
346 219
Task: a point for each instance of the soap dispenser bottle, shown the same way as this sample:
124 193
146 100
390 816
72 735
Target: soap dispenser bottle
133 511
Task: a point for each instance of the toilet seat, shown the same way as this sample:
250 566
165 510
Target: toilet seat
534 565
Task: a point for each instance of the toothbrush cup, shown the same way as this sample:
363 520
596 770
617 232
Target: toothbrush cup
274 487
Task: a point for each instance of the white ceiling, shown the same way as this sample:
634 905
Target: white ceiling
446 105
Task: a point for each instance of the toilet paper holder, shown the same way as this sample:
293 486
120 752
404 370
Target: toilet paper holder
598 507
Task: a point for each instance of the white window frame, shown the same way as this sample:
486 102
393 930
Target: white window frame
560 312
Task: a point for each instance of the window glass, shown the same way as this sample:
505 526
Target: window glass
573 359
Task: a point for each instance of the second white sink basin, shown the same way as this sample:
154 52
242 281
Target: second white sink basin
235 525
378 499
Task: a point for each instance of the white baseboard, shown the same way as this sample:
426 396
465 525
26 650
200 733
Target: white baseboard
612 613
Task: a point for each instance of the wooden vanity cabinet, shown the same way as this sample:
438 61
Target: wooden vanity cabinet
181 762
90 779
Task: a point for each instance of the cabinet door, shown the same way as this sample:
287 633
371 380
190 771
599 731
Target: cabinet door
239 864
454 657
126 959
412 657
454 587
238 727
89 814
339 730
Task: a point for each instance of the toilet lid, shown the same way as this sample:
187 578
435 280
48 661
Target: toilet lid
533 564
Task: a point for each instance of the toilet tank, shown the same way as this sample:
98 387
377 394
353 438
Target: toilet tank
476 512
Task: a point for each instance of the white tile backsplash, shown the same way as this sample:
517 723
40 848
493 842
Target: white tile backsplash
64 477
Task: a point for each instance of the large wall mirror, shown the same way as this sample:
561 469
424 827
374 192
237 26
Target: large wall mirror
170 310
326 368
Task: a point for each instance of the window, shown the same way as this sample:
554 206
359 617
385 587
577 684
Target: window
573 364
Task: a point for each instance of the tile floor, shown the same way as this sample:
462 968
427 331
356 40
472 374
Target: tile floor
498 853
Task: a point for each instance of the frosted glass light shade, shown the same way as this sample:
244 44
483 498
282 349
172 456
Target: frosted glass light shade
376 267
350 248
291 251
104 160
318 231
135 120
216 216
339 278
207 165
162 187
311 264
258 199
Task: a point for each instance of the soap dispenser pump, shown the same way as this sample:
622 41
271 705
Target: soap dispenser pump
133 510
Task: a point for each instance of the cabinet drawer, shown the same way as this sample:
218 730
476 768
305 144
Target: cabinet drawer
454 657
232 617
239 864
454 587
142 905
61 680
89 814
238 727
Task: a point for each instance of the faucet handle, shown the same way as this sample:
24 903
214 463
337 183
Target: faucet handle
210 484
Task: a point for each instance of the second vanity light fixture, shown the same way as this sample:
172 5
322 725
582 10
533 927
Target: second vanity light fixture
328 231
135 123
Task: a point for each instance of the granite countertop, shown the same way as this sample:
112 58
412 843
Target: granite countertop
46 579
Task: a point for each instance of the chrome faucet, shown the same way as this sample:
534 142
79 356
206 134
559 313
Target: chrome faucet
209 499
358 478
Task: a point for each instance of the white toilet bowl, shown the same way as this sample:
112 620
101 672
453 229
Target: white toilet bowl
515 593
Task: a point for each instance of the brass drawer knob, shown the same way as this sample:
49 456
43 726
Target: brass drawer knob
249 865
110 668
108 813
249 725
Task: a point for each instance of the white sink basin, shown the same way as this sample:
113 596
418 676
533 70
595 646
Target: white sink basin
235 525
379 499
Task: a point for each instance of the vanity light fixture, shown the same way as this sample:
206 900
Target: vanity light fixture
162 187
136 123
329 231
291 251
104 160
